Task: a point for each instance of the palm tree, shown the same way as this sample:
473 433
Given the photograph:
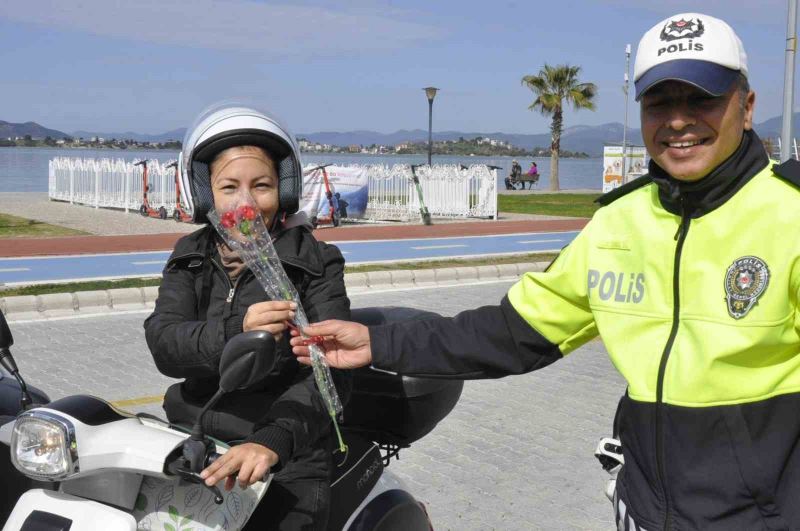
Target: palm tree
554 86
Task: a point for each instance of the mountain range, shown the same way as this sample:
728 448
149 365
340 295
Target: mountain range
586 138
12 130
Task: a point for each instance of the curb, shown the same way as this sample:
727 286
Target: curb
59 305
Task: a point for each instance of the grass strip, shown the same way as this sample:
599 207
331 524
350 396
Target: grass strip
17 227
71 287
573 205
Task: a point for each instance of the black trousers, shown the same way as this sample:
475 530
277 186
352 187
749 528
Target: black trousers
301 505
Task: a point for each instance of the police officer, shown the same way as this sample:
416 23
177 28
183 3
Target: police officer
691 276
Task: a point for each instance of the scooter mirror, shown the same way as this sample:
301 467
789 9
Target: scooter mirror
246 359
6 341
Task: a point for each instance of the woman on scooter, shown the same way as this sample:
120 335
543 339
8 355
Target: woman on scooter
208 295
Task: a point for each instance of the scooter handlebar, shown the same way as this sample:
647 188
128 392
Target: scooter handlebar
213 456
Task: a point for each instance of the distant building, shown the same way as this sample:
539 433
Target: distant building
354 148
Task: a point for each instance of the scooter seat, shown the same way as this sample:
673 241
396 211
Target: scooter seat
394 409
88 409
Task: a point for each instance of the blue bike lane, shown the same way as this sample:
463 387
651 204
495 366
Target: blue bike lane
31 270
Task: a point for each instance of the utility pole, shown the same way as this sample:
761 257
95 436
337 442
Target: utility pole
625 88
788 83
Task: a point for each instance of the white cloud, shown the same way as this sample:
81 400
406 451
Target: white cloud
274 30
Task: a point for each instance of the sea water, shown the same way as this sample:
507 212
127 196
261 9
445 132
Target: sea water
26 169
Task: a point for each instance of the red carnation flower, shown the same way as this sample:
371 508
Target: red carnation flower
246 212
228 220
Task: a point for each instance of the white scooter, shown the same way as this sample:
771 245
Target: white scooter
111 470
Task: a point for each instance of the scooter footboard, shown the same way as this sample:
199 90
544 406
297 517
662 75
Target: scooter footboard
160 504
43 509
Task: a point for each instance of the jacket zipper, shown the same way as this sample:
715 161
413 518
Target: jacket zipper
231 287
680 236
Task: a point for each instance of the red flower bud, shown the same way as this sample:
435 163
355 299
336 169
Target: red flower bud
228 219
246 212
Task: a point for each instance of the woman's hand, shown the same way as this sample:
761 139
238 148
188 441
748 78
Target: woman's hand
346 344
270 316
251 460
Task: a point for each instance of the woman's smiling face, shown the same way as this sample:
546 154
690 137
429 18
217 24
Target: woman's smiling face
245 169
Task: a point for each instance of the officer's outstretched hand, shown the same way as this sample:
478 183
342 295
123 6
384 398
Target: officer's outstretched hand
345 344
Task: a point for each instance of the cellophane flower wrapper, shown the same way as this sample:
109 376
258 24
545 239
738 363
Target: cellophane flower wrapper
241 226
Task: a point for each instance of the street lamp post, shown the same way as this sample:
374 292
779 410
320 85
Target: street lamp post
625 124
430 92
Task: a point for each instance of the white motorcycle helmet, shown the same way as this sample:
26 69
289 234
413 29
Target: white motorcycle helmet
226 125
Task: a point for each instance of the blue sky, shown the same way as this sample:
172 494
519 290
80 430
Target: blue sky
152 65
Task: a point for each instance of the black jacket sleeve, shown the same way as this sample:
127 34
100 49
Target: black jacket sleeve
299 417
183 346
488 342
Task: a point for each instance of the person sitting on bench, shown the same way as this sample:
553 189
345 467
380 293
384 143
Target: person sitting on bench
532 177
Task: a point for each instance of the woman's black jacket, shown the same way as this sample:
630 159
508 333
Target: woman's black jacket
198 310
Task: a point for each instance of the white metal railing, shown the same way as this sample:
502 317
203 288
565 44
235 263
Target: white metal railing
793 152
112 183
448 190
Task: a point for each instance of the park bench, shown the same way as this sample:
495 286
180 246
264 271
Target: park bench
525 178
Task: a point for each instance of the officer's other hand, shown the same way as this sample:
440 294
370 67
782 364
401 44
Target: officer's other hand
346 344
270 316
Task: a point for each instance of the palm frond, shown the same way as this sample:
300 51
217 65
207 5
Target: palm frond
555 85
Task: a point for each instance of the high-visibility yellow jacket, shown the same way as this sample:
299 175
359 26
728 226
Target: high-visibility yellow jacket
699 313
702 321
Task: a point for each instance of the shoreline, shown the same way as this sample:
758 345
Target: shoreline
320 153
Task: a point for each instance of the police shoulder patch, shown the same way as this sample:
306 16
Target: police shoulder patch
745 281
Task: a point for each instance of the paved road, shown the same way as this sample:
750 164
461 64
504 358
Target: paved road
85 267
515 454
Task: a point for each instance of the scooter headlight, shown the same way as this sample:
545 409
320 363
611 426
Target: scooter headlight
43 446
